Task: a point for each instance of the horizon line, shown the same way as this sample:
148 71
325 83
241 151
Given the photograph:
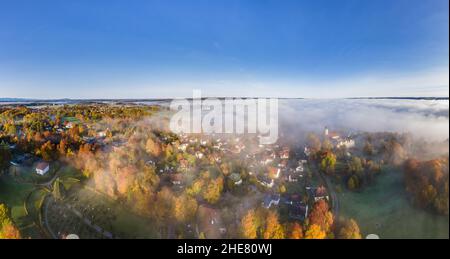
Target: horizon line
20 99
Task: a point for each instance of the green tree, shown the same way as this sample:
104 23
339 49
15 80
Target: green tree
5 157
355 166
328 163
353 182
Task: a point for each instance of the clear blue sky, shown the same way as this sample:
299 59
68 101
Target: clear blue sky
144 49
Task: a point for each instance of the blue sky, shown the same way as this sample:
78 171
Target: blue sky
145 49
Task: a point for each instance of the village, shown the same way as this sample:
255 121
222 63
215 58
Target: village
213 170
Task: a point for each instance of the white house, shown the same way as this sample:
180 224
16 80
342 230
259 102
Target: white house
42 168
348 143
199 154
101 134
270 200
69 125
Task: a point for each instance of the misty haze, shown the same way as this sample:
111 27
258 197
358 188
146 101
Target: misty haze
234 121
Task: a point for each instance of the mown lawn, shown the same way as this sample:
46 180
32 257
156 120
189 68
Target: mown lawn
384 209
125 223
13 194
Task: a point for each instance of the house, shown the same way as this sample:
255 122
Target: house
334 136
267 161
69 125
284 154
236 147
319 193
283 164
150 163
274 172
183 147
307 152
271 199
199 155
298 210
348 143
338 141
42 168
101 134
291 199
184 164
176 179
293 178
236 178
265 181
331 135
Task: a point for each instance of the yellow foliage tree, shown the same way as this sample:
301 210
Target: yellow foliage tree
274 230
315 232
350 230
296 231
249 225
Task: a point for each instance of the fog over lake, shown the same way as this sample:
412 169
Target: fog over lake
427 119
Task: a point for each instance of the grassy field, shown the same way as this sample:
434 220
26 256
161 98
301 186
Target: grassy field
384 209
125 223
13 194
14 191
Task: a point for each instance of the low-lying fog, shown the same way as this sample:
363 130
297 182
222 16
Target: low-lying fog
424 119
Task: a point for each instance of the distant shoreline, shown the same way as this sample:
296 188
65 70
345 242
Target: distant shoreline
127 100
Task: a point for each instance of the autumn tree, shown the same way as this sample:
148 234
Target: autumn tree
321 216
427 182
273 230
163 206
395 154
326 145
213 190
62 147
10 128
296 231
7 228
47 151
349 230
315 232
9 231
185 208
249 225
152 147
313 142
